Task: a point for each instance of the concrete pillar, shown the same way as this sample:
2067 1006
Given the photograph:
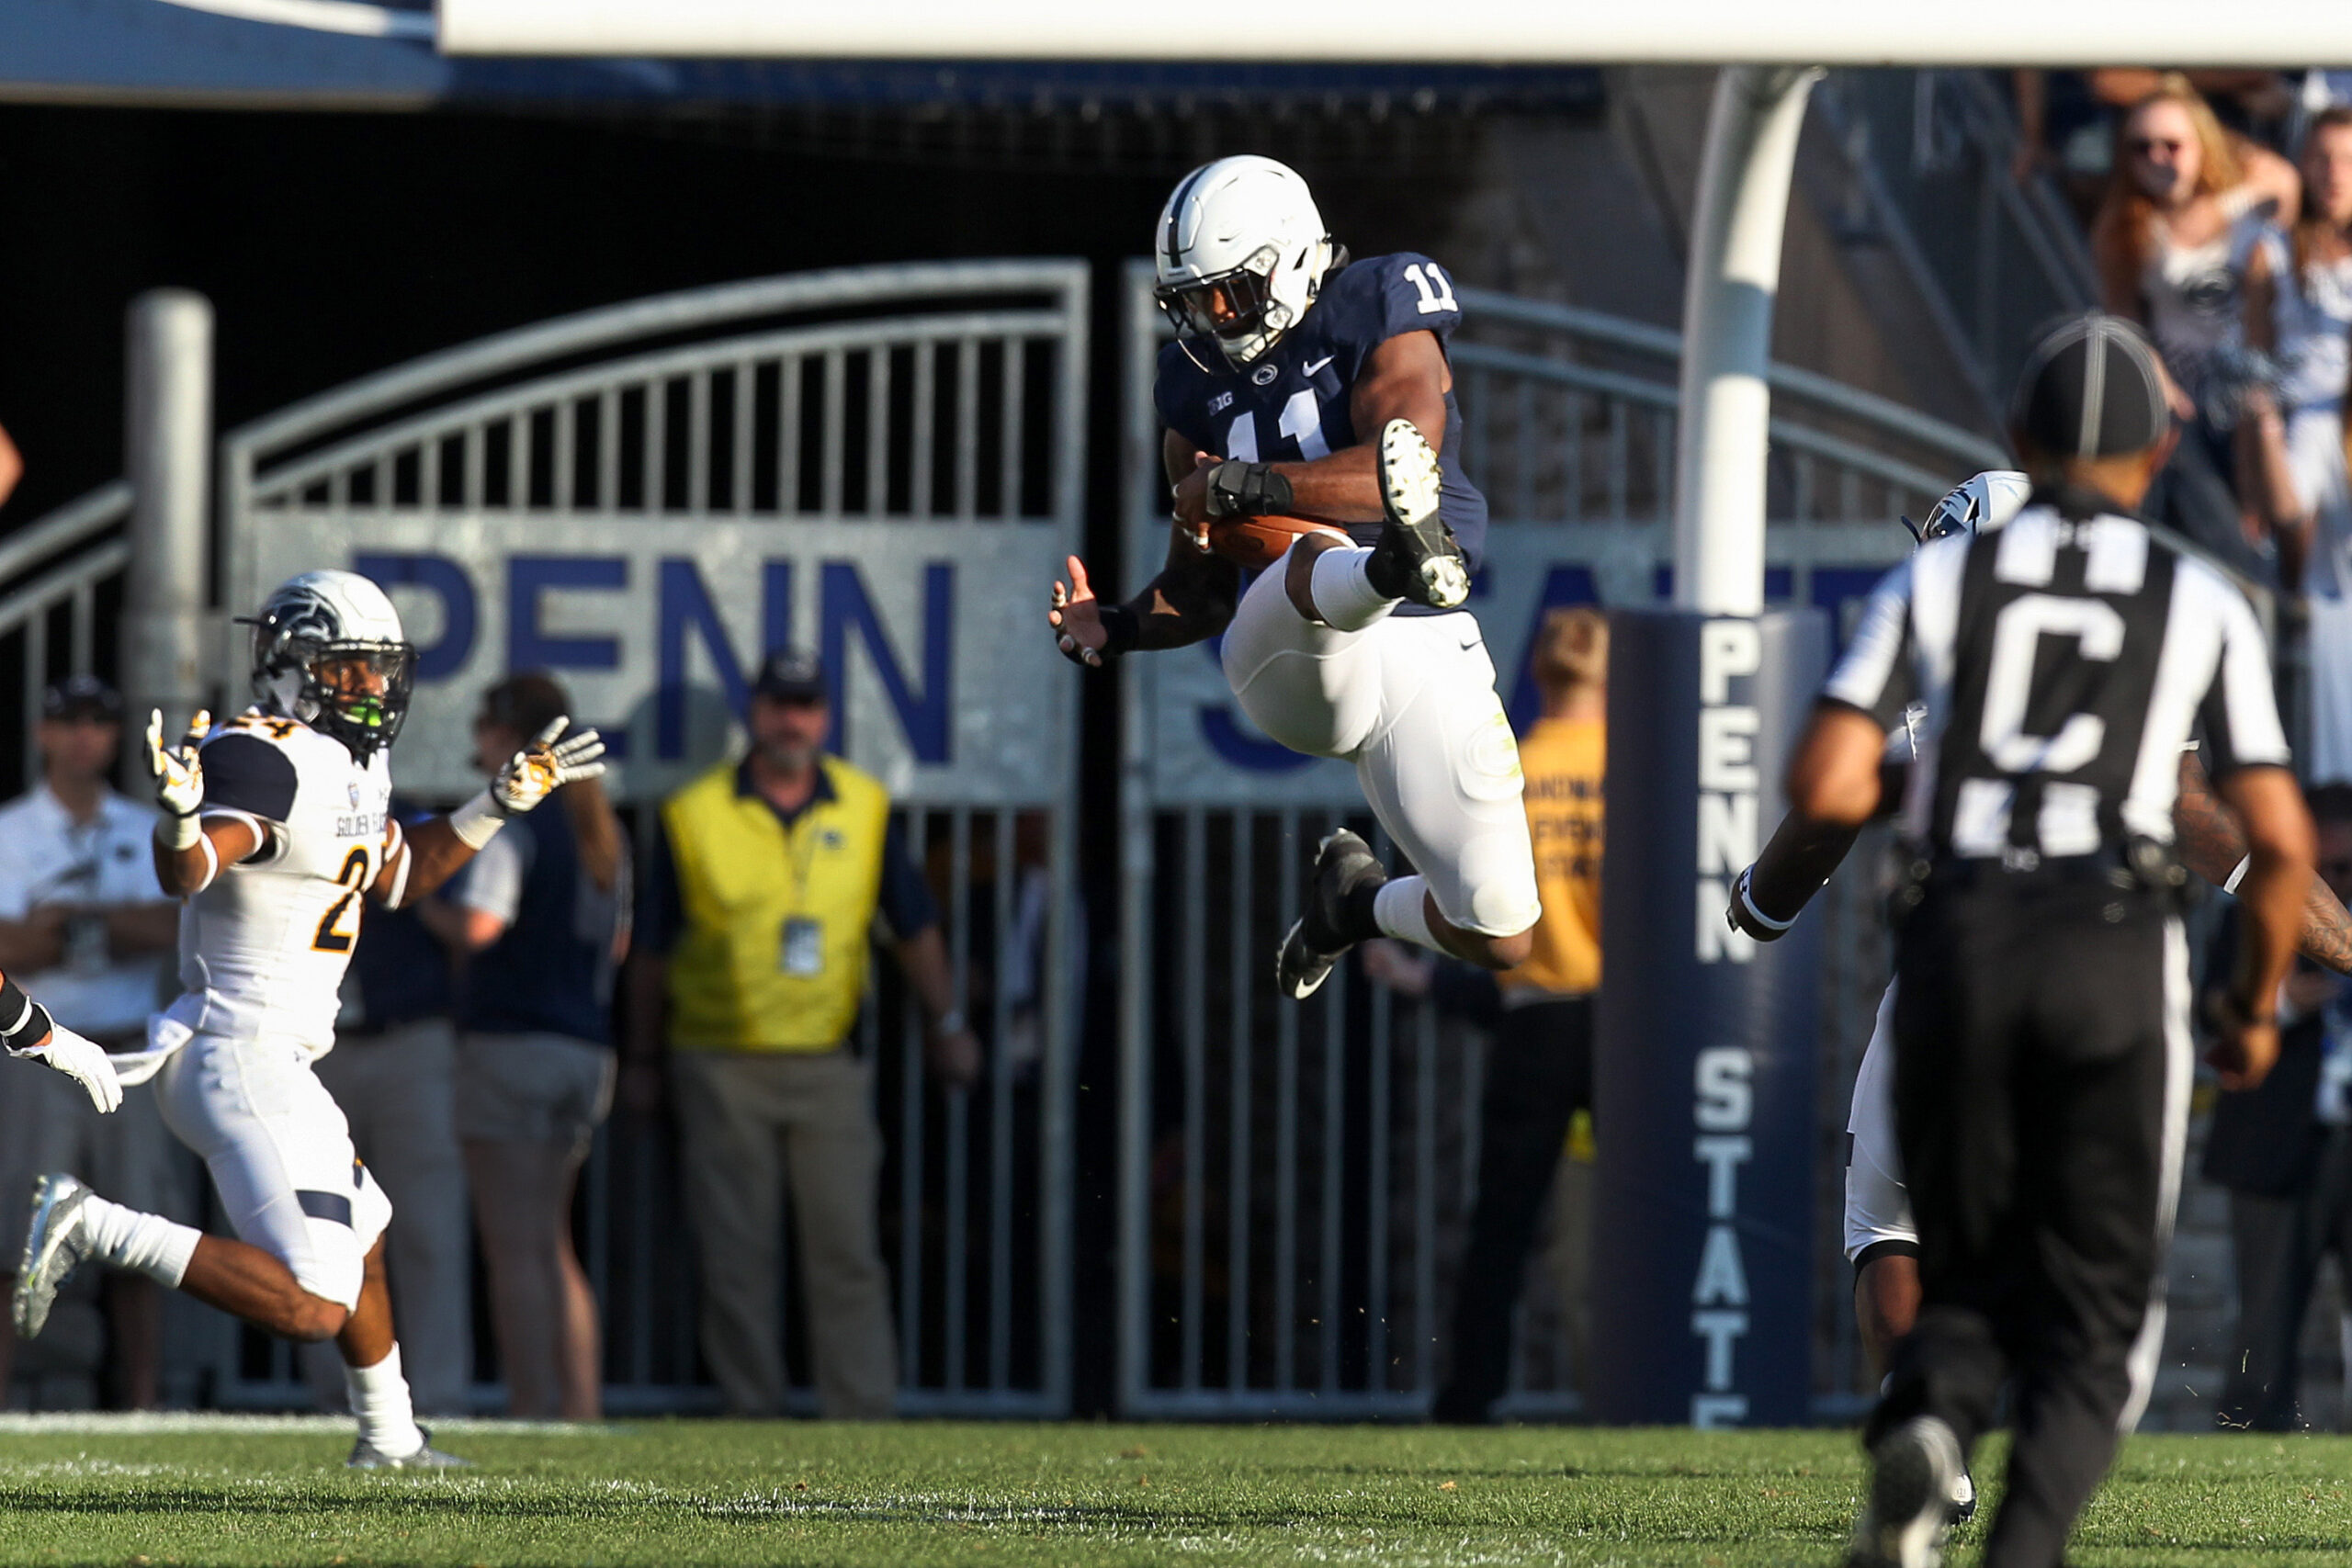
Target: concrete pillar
167 660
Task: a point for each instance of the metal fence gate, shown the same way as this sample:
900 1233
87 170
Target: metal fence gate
1295 1180
881 463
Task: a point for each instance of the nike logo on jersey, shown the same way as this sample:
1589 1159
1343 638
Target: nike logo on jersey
1315 364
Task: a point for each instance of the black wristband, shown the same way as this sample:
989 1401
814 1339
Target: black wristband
1122 627
18 1013
1246 489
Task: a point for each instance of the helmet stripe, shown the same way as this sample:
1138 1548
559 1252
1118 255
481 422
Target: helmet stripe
1176 215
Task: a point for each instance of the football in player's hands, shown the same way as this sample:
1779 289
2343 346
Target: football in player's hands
546 765
178 774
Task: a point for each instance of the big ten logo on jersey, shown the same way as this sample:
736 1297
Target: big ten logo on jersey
1729 782
1723 1108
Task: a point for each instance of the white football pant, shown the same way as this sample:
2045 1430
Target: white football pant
281 1155
1410 701
1877 1206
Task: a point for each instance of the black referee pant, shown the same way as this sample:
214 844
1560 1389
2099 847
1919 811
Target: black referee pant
1539 1075
2042 1078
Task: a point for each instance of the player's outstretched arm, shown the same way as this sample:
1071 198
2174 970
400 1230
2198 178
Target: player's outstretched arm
431 852
190 847
27 1030
2213 846
1767 897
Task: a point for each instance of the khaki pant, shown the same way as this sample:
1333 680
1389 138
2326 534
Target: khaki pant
749 1122
395 1089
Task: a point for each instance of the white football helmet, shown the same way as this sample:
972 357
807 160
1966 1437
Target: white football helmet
328 651
1986 501
1242 253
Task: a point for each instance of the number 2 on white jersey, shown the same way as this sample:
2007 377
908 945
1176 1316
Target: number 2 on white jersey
1431 285
332 937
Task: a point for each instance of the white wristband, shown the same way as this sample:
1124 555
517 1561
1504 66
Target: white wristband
1747 903
477 821
2237 875
177 833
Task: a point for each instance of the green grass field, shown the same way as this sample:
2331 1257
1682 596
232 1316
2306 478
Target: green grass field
679 1493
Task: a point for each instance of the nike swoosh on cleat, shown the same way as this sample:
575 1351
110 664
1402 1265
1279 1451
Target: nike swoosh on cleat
1315 364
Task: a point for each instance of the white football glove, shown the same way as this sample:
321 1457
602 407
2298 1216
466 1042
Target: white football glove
179 776
545 766
80 1060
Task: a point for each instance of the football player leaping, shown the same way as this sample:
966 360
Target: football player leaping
1303 384
275 826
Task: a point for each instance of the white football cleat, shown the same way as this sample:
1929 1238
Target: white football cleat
55 1246
1915 1476
366 1455
1417 558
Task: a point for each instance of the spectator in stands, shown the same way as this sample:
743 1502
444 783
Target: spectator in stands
2298 312
778 873
2184 208
2066 119
544 913
1539 1068
392 1071
2284 1150
84 922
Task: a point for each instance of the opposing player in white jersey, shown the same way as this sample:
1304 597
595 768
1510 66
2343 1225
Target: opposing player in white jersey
275 826
1302 383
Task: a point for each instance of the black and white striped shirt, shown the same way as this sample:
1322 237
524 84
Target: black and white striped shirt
2063 664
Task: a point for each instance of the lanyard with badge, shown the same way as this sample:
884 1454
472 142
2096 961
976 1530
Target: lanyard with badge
802 955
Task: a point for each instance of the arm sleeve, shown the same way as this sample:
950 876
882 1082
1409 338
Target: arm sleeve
493 882
907 903
1877 676
243 773
1416 295
2239 717
246 777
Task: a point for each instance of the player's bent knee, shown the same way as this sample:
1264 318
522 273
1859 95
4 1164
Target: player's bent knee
312 1319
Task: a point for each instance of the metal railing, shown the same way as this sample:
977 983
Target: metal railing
1932 154
60 580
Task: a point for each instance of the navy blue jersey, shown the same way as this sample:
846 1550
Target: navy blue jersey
1291 405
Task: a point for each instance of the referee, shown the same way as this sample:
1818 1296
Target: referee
2042 1021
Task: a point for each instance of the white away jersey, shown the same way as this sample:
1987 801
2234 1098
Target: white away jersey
264 947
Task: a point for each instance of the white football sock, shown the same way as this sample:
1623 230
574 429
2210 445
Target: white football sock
380 1398
1401 908
144 1244
1344 595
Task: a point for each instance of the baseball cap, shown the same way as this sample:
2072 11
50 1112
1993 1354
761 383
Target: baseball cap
790 676
81 697
2092 386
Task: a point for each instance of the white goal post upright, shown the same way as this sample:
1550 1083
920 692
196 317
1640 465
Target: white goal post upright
1734 277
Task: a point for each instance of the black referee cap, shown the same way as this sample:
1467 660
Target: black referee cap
2092 386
